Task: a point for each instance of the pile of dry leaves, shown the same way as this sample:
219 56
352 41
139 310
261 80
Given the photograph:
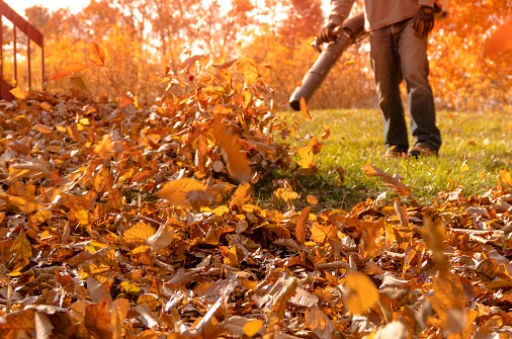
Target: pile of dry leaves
118 220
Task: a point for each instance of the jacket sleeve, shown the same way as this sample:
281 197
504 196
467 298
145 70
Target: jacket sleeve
340 9
429 3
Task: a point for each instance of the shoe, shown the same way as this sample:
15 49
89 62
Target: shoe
394 153
421 151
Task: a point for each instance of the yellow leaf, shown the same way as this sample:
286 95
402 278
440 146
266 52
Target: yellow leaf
250 71
304 108
140 249
252 327
104 148
360 294
320 233
241 195
506 177
19 93
130 288
21 247
238 164
176 191
139 233
85 121
350 62
286 194
305 157
221 210
73 68
39 218
80 214
96 54
232 258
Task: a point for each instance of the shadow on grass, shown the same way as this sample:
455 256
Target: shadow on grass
330 192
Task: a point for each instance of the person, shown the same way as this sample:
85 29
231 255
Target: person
398 32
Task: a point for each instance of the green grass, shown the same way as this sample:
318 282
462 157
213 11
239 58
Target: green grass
475 147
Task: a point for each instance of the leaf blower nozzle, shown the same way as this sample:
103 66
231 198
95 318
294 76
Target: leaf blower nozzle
352 30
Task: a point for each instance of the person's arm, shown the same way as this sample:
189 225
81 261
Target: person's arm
428 3
340 9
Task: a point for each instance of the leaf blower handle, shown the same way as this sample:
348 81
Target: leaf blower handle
317 43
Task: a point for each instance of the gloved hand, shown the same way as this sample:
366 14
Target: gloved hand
326 33
424 21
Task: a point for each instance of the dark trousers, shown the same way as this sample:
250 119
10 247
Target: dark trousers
396 54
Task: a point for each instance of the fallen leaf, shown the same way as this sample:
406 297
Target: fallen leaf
399 187
237 162
139 233
500 40
96 54
304 108
176 191
300 228
19 93
162 238
360 293
253 327
68 70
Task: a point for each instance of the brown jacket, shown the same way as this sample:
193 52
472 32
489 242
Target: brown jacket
378 13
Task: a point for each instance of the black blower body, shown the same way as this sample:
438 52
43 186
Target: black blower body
352 31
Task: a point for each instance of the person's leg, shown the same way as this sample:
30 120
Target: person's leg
415 70
386 68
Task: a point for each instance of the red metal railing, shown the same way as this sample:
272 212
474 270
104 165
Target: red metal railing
32 33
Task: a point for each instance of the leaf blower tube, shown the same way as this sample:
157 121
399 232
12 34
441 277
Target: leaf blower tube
352 30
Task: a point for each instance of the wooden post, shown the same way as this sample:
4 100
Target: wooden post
29 57
43 83
1 55
15 55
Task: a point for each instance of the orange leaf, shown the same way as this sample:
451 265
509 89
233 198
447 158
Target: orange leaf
139 233
311 199
241 195
300 228
73 68
360 293
327 132
96 55
506 177
125 101
500 41
304 108
399 187
238 164
176 191
320 233
19 93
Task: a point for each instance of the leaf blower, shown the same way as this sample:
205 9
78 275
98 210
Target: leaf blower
351 31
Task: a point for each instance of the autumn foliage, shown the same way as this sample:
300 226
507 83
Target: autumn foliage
128 213
126 221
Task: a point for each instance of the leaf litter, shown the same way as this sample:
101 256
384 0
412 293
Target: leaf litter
120 220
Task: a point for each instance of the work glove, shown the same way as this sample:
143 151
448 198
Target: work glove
424 21
327 33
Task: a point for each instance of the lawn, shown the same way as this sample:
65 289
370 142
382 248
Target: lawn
475 147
